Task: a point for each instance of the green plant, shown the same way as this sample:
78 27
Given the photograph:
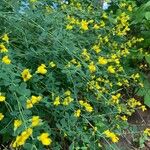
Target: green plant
65 75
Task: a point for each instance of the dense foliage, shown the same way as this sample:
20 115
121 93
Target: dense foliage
66 78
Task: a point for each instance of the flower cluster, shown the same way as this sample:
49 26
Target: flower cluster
86 105
111 135
21 139
3 49
34 100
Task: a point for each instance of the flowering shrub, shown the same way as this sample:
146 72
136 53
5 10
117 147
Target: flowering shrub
66 78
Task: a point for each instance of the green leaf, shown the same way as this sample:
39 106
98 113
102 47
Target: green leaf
28 146
147 59
147 99
147 15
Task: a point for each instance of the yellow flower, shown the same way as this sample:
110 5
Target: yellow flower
130 8
1 116
3 49
106 39
21 139
119 83
84 25
17 123
6 60
88 107
48 9
102 24
36 99
104 15
56 101
2 98
52 64
35 121
41 69
29 104
96 26
69 27
143 108
147 131
67 93
115 98
81 102
86 55
92 67
5 38
111 135
77 113
67 100
32 101
111 69
102 61
124 118
132 102
44 138
96 48
123 5
26 75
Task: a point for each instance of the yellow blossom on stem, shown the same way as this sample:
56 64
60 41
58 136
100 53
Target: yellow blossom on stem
17 124
26 75
123 5
130 8
56 101
84 25
147 131
2 98
5 38
81 102
44 138
132 102
111 69
32 101
96 48
29 104
35 121
143 108
102 24
102 61
92 67
111 135
69 27
48 9
96 26
77 113
124 118
86 55
67 93
115 98
41 69
67 100
3 49
21 139
87 106
52 64
104 15
1 116
6 60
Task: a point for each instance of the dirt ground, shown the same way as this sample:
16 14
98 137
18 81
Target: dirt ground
141 120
